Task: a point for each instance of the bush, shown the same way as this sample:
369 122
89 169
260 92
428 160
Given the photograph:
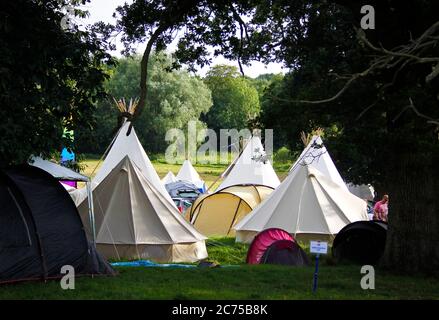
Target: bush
283 155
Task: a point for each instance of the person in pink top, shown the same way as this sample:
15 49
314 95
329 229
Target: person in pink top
380 209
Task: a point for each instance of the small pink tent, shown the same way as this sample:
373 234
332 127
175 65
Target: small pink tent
276 246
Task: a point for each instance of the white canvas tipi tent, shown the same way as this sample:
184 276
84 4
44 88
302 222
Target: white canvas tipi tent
129 145
316 154
169 178
309 203
134 220
125 144
251 167
188 173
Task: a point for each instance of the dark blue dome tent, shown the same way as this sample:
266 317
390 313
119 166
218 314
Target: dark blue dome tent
41 230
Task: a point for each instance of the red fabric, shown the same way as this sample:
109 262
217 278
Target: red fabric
263 240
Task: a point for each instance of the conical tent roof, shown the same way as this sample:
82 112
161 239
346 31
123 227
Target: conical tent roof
188 173
126 145
251 167
129 145
169 178
306 202
132 211
129 210
317 155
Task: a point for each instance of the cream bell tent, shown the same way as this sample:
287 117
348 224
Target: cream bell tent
188 173
308 204
169 178
313 201
216 214
134 219
125 144
251 167
316 154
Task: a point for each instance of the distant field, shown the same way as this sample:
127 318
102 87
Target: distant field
208 172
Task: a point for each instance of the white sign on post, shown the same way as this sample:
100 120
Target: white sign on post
318 247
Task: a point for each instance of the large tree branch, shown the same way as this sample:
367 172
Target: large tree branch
411 106
346 86
144 69
402 54
243 29
406 54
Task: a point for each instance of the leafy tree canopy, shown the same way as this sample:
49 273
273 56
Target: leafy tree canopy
175 98
235 100
50 78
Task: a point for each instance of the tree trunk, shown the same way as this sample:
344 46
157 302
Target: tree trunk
413 235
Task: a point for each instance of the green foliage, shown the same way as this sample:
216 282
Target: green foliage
235 100
283 155
360 145
263 81
50 79
174 99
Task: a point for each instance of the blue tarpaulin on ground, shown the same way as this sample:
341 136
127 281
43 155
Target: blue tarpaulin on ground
148 263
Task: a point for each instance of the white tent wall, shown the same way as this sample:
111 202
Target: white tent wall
56 170
251 167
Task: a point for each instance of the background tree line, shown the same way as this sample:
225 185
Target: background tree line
223 99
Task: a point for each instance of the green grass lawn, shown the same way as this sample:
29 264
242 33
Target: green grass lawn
237 281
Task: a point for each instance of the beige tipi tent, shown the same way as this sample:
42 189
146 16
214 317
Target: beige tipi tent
307 204
312 202
125 144
251 168
317 155
134 220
